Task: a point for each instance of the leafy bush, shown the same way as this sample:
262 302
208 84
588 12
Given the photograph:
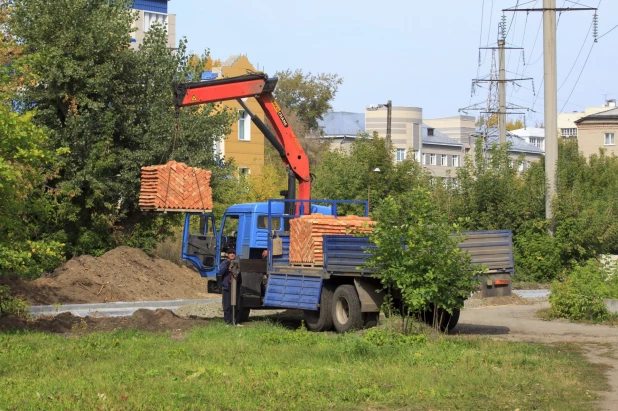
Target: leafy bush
12 305
537 254
580 296
30 259
417 255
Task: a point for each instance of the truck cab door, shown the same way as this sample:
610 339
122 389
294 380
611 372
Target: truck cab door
199 243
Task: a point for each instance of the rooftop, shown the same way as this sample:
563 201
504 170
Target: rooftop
611 114
529 132
342 123
438 138
518 144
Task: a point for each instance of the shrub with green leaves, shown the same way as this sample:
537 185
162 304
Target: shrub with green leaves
12 305
580 296
417 253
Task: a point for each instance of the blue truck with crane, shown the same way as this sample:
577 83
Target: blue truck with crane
338 294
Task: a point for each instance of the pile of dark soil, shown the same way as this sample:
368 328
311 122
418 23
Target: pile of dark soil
122 274
146 320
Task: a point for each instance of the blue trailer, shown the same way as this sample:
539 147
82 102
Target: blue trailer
337 294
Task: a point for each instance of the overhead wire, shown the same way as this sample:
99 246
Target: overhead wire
581 71
607 32
576 58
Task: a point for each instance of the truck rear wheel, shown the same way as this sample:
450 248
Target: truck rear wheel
346 309
446 321
322 319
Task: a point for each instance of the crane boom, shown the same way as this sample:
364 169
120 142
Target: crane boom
261 87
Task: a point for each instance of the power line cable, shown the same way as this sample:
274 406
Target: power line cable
578 77
576 58
607 32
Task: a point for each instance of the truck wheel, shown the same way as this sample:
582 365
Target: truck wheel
322 319
370 319
346 309
447 321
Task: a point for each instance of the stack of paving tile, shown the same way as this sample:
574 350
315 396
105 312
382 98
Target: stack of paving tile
175 187
306 234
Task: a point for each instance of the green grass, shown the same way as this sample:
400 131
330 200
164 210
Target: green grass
267 367
549 314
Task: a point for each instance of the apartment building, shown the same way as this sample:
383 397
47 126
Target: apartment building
459 128
245 143
406 128
598 131
532 135
517 147
567 121
152 12
442 155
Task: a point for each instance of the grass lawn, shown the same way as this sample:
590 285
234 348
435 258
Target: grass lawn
265 366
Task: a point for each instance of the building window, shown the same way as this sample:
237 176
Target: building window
401 154
432 159
244 126
444 160
538 142
244 170
430 131
521 166
455 161
568 132
154 18
609 139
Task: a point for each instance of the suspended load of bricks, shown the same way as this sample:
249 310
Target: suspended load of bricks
306 234
175 187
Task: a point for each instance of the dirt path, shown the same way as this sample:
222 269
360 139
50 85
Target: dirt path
519 323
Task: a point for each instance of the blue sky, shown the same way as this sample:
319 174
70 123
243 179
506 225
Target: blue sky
416 53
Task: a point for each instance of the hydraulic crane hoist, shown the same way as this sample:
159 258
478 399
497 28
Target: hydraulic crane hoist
261 87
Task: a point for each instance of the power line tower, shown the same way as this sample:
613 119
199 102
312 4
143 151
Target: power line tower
496 104
550 79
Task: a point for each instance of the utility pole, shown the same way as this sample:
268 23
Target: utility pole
551 94
502 92
551 103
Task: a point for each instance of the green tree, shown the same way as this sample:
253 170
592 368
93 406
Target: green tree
351 176
417 255
307 96
26 164
113 108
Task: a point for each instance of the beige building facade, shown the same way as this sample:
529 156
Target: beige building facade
598 131
459 128
406 128
151 12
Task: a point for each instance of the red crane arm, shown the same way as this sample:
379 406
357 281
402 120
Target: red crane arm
259 86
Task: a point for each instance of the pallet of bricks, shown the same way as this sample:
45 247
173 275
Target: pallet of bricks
306 235
175 187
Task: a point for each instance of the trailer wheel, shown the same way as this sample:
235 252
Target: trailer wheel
371 319
346 309
322 319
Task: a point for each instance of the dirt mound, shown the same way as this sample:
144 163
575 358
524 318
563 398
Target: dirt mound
477 301
146 320
122 274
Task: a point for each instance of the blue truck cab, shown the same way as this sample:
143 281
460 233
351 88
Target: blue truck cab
336 293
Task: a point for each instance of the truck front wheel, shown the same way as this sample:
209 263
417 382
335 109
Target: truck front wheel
346 310
322 319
